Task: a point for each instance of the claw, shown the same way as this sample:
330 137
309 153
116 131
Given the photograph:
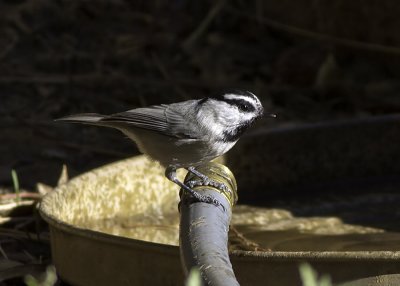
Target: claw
170 173
208 182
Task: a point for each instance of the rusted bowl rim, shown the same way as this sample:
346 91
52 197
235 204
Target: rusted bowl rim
58 224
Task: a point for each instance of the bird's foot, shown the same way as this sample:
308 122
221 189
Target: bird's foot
200 197
170 173
206 181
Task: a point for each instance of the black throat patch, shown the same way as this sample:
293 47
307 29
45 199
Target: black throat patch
234 134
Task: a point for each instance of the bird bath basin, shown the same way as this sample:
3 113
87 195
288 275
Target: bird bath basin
324 193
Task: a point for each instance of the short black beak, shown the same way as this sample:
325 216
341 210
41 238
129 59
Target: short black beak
269 114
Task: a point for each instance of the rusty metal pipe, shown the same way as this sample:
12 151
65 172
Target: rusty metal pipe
204 228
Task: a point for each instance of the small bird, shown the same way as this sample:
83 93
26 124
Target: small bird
185 134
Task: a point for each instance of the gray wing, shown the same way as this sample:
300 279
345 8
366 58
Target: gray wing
151 118
170 120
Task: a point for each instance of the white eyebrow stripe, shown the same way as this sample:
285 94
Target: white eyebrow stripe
230 96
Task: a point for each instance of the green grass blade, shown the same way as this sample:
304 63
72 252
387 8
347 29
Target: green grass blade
16 185
309 276
194 278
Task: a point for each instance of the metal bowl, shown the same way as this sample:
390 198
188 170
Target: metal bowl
117 225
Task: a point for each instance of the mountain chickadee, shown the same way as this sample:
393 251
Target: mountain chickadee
185 134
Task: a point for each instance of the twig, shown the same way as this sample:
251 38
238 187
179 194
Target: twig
6 208
21 271
8 48
25 195
24 223
18 235
318 36
168 77
246 243
14 220
197 33
142 100
3 253
110 79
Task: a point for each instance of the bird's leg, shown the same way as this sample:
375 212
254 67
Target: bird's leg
170 173
207 181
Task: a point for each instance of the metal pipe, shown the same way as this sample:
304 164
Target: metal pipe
204 227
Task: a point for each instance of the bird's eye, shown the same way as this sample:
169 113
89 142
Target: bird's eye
241 104
245 107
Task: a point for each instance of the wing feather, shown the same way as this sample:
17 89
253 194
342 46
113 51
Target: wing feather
166 119
152 118
174 120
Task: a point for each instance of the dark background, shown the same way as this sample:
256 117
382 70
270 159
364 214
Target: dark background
308 61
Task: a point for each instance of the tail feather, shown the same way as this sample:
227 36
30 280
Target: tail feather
85 118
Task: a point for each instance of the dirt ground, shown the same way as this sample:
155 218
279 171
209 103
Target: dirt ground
64 57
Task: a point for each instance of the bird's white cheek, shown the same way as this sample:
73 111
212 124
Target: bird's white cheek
247 117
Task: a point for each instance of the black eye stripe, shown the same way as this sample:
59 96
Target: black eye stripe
241 104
